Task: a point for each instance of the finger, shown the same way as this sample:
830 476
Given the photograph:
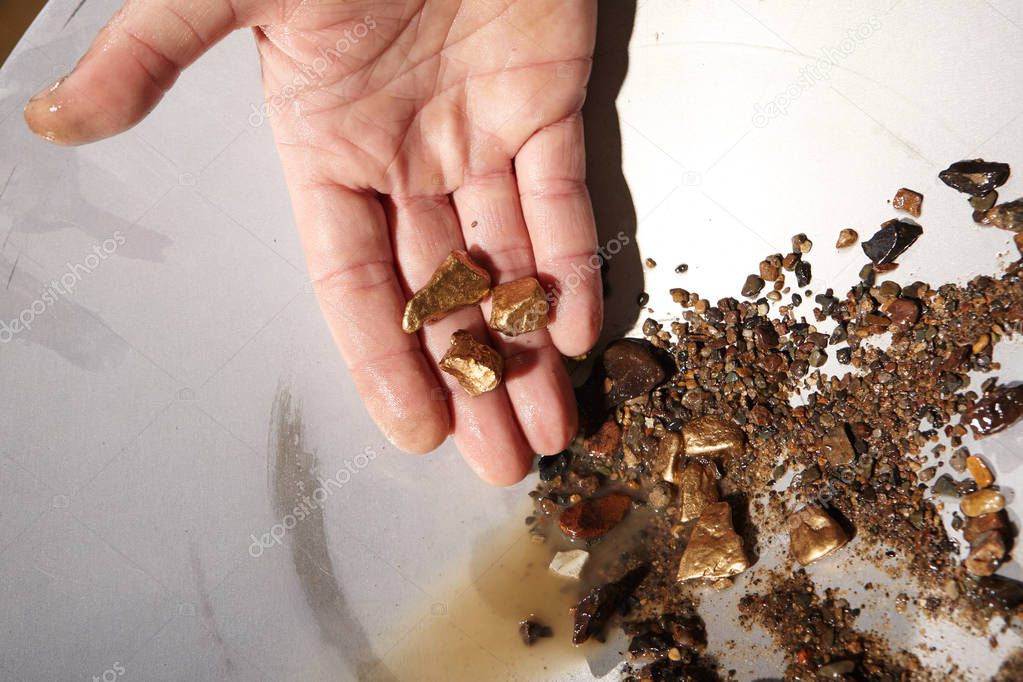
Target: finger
551 172
344 234
491 216
131 63
484 427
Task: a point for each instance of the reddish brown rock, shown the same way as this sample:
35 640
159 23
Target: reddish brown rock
592 518
978 525
986 554
606 441
903 313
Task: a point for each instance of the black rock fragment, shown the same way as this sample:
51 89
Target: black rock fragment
803 273
891 241
530 631
552 466
593 610
976 177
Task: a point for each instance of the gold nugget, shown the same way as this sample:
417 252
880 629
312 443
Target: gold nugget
697 489
476 365
669 457
814 534
518 307
714 550
712 436
457 283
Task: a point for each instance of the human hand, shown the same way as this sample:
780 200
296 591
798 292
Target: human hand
406 129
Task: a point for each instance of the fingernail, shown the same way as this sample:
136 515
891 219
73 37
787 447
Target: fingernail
47 90
41 109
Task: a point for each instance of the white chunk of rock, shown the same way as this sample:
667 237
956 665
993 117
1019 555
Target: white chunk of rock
569 564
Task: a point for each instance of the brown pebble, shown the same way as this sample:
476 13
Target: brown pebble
1007 216
650 263
836 448
606 442
768 271
903 313
980 472
978 525
753 286
986 501
847 238
909 201
594 517
801 243
633 369
986 554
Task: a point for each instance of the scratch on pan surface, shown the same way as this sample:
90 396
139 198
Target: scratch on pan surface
73 13
293 477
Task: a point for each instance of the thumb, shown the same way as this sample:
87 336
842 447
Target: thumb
133 61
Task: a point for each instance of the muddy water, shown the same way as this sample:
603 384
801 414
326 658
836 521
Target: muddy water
471 633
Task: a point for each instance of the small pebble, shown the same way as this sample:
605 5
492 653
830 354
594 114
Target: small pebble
768 271
803 273
958 461
985 201
945 486
530 631
984 501
846 238
903 313
681 268
909 201
650 263
867 274
980 472
661 495
753 286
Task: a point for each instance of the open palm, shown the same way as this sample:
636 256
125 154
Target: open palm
407 129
